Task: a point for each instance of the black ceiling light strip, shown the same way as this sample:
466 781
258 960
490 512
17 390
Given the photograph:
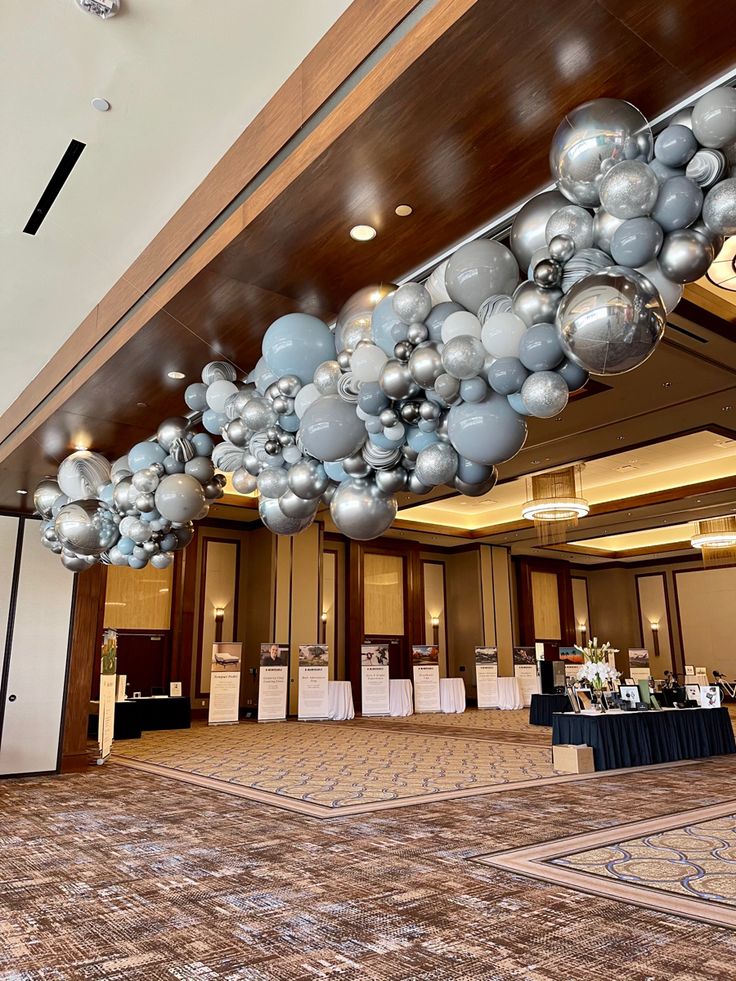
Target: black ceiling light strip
64 168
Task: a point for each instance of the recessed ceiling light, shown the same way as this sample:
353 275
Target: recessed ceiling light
404 210
620 439
666 384
726 408
101 105
176 375
362 233
23 492
534 462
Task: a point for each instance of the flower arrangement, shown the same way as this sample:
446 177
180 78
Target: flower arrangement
596 670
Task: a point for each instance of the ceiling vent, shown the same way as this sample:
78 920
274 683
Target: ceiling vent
100 8
626 468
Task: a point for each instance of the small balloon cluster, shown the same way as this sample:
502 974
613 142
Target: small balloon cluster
141 508
429 385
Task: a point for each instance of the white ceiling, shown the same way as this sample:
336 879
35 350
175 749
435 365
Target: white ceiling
184 78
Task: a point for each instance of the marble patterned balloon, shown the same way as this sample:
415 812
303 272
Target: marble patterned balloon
583 263
706 168
218 371
83 474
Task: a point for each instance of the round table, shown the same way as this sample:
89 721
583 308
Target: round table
452 695
400 697
340 701
509 694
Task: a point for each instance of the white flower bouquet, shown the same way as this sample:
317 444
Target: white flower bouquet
597 654
597 673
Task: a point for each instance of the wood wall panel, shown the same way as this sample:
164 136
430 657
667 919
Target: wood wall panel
383 594
546 605
138 599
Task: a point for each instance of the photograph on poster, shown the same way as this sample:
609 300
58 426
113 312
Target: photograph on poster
710 696
274 655
313 655
374 654
224 660
638 657
525 655
425 654
486 655
692 693
571 655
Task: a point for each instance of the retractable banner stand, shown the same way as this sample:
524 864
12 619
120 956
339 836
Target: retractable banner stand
273 682
639 669
225 684
486 676
374 680
426 668
108 692
526 672
314 677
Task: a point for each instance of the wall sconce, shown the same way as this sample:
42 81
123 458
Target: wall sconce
435 631
583 628
323 627
654 626
219 619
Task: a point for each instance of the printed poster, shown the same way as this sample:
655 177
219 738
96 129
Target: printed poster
314 676
639 669
572 659
425 661
374 679
486 676
273 682
108 693
526 672
225 683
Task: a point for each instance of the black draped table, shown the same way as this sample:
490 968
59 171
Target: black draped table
621 739
127 720
543 707
165 712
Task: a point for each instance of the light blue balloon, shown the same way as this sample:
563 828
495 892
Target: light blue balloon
506 376
381 441
438 316
213 421
489 432
386 328
106 494
418 440
336 472
144 454
472 473
125 546
261 376
517 403
149 516
473 389
540 349
135 563
195 396
289 423
203 444
297 344
574 375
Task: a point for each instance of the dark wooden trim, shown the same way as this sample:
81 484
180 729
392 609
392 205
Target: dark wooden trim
442 566
202 590
12 606
335 602
587 605
184 592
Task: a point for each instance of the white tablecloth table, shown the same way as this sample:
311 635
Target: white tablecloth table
340 701
400 697
509 694
452 695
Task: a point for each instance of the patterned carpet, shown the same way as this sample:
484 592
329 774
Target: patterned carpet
321 769
125 876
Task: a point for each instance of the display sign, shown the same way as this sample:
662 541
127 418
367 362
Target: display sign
692 692
314 677
426 670
121 685
710 696
486 676
639 669
108 693
273 682
374 679
175 689
572 658
689 669
225 684
526 672
539 650
701 676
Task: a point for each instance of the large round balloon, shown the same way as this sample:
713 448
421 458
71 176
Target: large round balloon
86 527
488 432
44 496
179 497
527 230
83 474
714 117
353 323
361 511
144 454
611 322
387 328
296 345
331 430
590 140
279 523
479 269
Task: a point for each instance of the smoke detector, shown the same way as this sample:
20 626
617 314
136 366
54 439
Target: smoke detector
101 8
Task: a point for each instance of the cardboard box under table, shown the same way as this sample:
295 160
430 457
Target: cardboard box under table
573 759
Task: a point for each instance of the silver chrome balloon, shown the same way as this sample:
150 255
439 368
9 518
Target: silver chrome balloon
361 510
171 430
611 322
44 496
412 303
573 222
145 481
308 480
604 227
528 228
297 507
396 380
353 323
592 137
86 527
719 209
536 305
544 394
425 365
685 256
279 523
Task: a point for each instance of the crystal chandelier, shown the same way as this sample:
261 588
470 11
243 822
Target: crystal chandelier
102 8
716 539
555 502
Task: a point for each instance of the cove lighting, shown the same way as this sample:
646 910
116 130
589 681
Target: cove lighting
176 375
362 233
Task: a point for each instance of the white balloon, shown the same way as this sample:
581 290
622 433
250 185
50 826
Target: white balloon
366 362
461 323
305 396
218 393
501 335
670 292
436 285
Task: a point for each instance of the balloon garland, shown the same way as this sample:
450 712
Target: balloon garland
430 384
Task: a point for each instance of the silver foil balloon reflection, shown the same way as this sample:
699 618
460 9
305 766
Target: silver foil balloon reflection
276 521
590 139
611 322
685 256
44 496
528 228
86 527
353 323
361 510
